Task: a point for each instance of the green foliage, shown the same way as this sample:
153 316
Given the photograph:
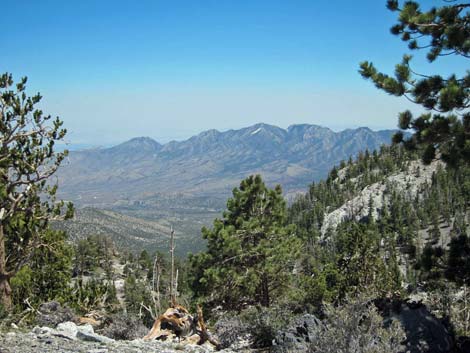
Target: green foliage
362 262
310 286
251 251
443 31
27 161
137 293
144 260
48 273
93 294
458 263
93 252
264 323
356 326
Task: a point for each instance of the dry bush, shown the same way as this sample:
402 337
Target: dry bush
357 327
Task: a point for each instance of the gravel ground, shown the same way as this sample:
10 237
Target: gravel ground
28 342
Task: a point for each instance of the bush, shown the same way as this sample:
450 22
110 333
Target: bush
52 313
230 330
121 326
356 326
264 323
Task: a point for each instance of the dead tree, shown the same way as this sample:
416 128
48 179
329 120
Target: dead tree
177 322
172 274
156 283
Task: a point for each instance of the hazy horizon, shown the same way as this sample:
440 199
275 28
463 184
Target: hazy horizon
113 70
82 146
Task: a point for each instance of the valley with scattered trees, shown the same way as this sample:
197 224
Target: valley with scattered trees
371 256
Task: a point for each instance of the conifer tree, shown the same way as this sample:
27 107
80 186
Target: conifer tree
442 31
250 251
47 275
27 161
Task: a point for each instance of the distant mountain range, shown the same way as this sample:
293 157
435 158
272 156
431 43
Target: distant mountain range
209 164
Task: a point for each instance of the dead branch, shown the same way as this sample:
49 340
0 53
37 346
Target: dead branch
204 333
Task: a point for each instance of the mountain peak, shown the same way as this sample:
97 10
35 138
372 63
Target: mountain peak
265 126
212 162
211 132
141 143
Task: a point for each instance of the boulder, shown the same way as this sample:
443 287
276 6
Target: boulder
424 331
42 332
71 331
86 333
298 336
67 330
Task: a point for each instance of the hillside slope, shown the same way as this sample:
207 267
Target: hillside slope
131 233
409 182
387 223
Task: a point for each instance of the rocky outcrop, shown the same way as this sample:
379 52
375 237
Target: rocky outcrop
298 336
71 331
424 331
408 182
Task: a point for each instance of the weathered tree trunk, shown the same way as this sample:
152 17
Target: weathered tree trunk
172 274
265 299
205 334
5 289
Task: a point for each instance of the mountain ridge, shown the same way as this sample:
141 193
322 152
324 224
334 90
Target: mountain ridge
211 162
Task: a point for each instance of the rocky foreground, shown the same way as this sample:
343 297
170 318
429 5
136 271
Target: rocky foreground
68 337
55 332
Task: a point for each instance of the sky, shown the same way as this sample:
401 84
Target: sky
113 70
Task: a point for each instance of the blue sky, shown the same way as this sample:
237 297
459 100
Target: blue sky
113 70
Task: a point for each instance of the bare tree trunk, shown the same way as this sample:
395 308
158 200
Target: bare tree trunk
156 283
172 278
5 289
265 299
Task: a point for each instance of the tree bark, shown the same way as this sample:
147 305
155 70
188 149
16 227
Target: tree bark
172 279
265 299
5 289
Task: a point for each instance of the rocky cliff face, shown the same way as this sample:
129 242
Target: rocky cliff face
409 183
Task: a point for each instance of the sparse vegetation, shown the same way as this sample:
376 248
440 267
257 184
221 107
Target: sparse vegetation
367 260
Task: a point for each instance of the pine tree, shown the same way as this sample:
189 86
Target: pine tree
47 275
446 127
27 161
250 251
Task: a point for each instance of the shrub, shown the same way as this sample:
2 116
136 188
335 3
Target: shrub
121 326
264 323
356 326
